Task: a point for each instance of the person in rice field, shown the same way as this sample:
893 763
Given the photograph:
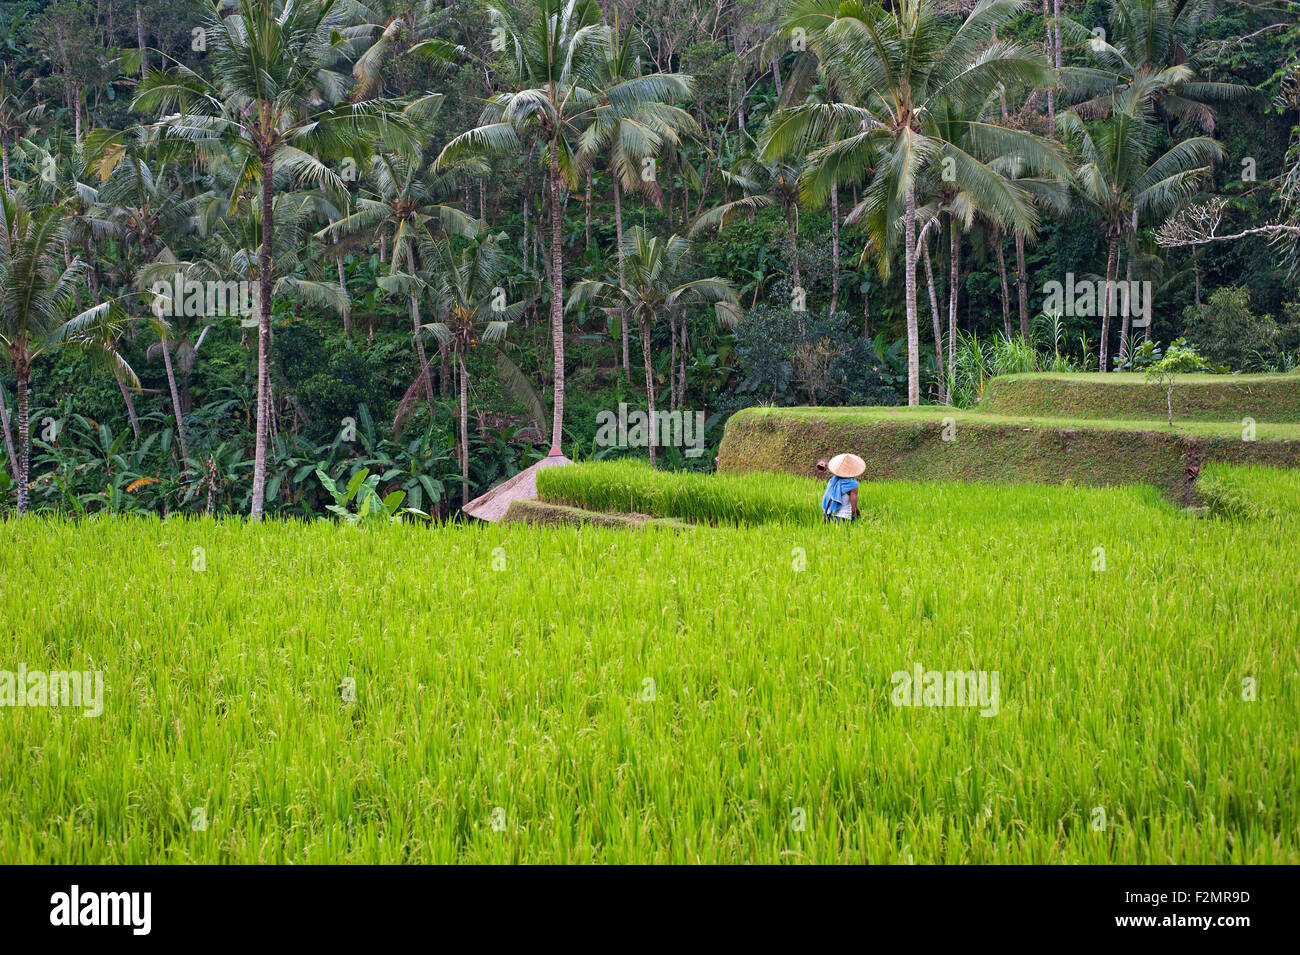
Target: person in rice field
840 502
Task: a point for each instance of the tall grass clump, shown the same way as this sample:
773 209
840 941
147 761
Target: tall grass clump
976 361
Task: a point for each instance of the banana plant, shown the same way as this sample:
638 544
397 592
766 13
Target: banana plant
362 491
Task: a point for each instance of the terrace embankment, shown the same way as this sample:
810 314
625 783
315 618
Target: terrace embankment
936 444
1129 396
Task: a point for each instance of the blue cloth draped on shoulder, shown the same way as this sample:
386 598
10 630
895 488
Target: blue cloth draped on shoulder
837 492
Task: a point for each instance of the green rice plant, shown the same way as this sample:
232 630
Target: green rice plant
635 487
1251 491
397 693
764 498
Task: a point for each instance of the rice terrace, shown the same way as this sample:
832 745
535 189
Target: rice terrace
770 432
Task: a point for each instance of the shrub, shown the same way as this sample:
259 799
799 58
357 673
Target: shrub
791 358
1229 333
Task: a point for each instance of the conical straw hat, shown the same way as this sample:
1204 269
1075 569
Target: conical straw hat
846 465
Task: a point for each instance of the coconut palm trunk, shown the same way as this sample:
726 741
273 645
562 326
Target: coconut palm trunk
1002 277
131 416
649 384
464 430
835 247
1128 311
934 319
9 438
622 278
263 339
909 286
416 331
793 234
1051 94
176 400
1022 286
681 384
954 277
24 433
557 290
672 362
1111 266
347 305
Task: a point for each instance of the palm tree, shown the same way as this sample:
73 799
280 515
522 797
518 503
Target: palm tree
764 182
274 103
554 67
652 287
18 117
169 341
386 29
894 68
1151 44
1121 187
37 292
232 244
629 140
469 284
143 205
408 198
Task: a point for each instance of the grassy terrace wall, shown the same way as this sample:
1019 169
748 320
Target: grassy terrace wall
1124 396
908 444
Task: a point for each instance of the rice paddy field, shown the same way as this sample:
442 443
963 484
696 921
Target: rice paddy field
727 693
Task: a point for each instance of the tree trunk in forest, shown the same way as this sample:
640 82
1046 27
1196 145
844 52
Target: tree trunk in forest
954 290
909 286
24 435
649 383
347 303
417 331
934 319
1002 277
176 402
263 338
9 437
139 38
835 247
444 370
1056 45
1022 286
464 430
1128 311
1111 265
1051 58
681 384
793 234
622 279
672 364
557 293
